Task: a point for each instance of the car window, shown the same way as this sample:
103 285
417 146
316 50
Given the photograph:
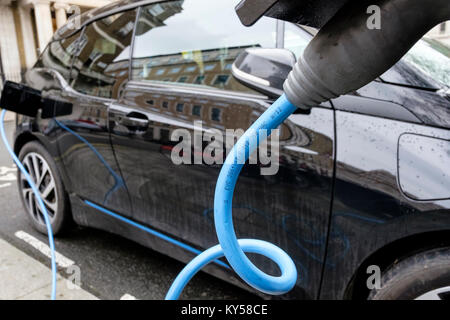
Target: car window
102 63
426 65
296 39
59 55
195 42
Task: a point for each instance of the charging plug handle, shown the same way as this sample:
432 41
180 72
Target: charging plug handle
346 54
27 101
20 99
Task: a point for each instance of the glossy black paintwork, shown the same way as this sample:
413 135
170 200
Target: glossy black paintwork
370 211
280 209
338 169
430 107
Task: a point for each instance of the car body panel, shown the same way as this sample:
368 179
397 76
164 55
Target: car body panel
265 207
369 209
334 202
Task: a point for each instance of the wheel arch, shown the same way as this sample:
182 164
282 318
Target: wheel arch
22 139
25 137
392 252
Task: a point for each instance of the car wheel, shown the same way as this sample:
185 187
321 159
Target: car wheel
424 276
42 168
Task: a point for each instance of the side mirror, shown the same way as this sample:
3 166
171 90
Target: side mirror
264 70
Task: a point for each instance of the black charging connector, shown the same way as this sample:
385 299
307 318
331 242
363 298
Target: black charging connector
20 99
27 101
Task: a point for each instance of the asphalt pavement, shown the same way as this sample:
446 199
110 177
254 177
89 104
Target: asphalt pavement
104 265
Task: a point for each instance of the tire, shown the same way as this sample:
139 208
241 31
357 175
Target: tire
36 159
423 276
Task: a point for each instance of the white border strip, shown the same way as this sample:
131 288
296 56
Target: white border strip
61 260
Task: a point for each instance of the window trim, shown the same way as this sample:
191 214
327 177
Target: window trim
280 33
130 58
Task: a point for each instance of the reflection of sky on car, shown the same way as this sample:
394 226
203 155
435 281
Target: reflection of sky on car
199 22
430 61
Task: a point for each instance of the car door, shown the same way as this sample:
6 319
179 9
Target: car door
181 79
99 72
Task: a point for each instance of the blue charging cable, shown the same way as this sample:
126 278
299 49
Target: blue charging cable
230 247
38 198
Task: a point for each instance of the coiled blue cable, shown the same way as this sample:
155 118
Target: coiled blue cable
38 198
230 247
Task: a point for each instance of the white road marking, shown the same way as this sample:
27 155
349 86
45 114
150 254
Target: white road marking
4 185
61 260
127 296
7 173
8 177
4 170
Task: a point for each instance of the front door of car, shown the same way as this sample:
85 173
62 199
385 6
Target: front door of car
182 86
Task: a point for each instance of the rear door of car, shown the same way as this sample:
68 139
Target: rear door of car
181 79
99 72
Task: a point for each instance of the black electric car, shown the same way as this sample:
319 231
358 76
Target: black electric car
361 197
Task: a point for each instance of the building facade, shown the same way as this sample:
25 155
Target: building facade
26 27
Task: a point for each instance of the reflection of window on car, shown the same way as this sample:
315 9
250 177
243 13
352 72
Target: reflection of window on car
174 70
180 107
221 80
199 80
215 114
196 110
205 48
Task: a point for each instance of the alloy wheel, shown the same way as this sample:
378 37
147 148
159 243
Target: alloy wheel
41 174
436 294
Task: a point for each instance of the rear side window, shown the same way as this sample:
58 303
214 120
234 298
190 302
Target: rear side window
195 42
59 55
102 63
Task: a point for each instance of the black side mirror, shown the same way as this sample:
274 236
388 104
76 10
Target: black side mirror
264 70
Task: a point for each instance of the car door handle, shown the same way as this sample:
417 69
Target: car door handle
134 119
